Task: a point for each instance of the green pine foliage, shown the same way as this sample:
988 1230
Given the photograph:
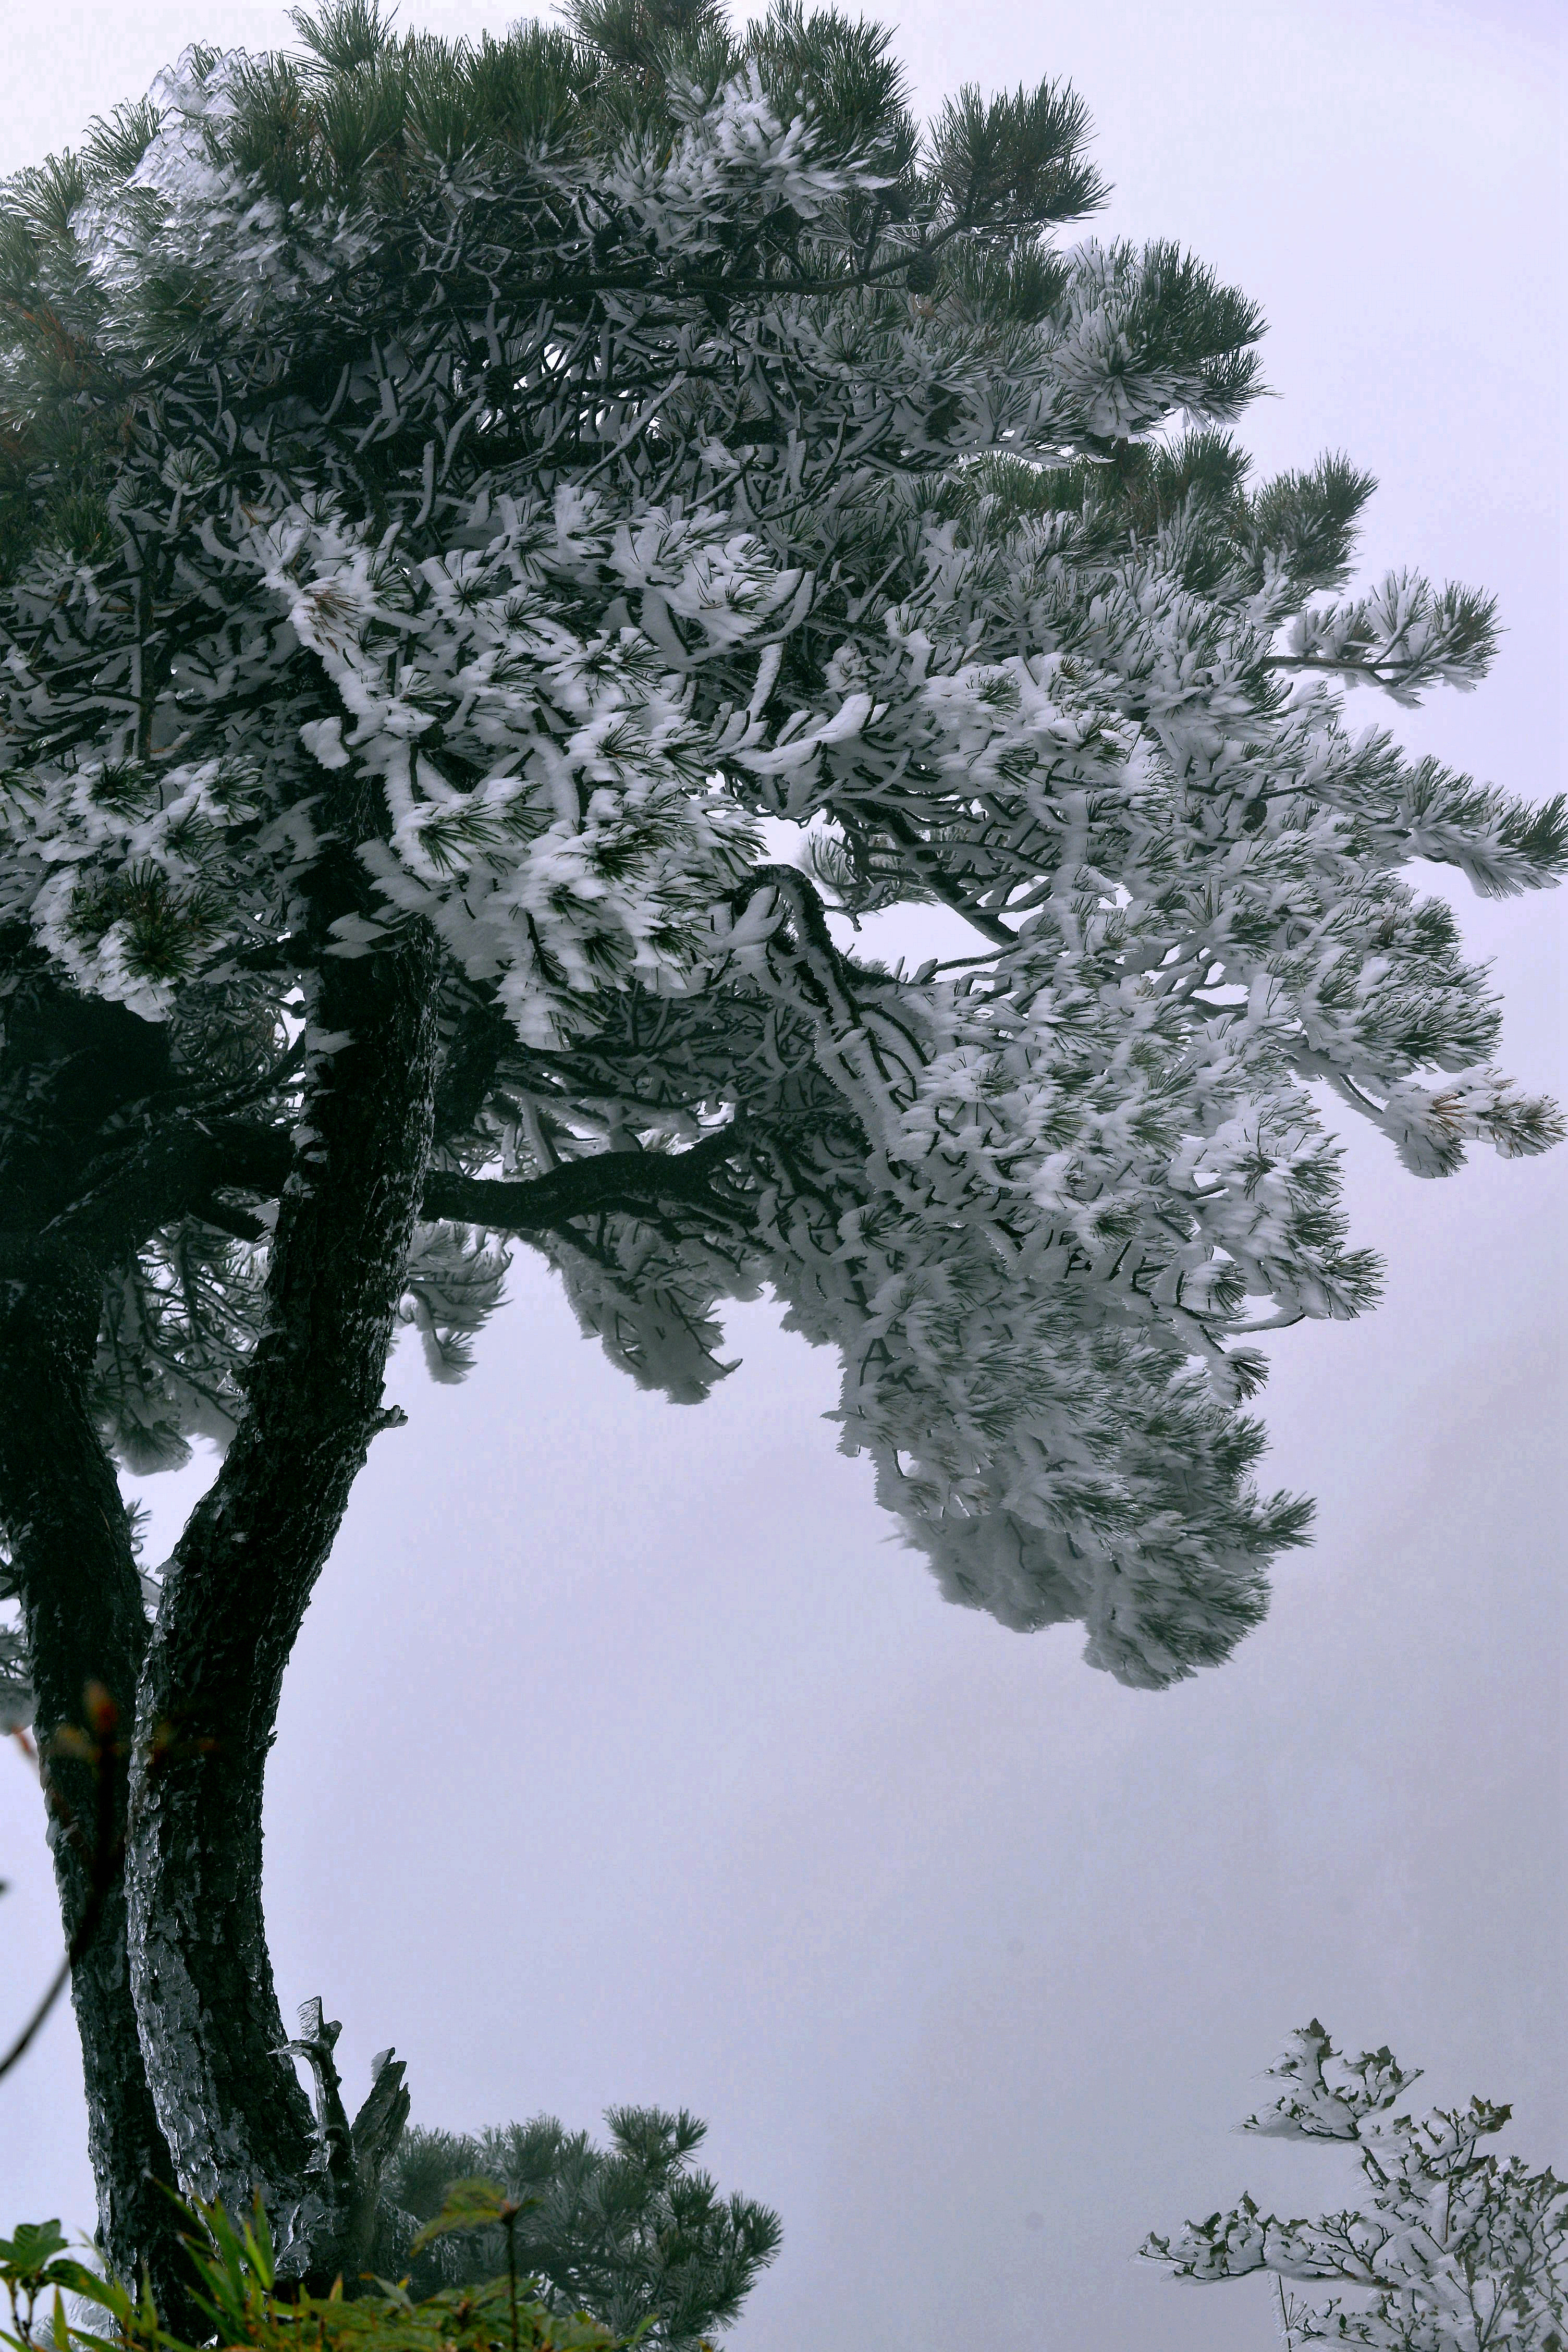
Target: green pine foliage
632 2232
528 2237
510 551
650 423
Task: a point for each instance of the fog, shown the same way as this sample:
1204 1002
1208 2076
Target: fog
624 1756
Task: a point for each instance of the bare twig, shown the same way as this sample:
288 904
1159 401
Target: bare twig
104 1855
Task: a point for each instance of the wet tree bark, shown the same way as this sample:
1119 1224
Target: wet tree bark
228 2102
81 1605
99 1150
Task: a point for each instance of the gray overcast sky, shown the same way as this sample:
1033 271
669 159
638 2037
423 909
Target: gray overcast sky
623 1756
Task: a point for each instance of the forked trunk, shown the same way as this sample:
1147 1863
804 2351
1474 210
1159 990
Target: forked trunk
81 1604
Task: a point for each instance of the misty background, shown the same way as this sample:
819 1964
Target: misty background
626 1757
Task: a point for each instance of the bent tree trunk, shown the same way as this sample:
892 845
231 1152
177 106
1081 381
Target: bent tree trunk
228 2102
81 1605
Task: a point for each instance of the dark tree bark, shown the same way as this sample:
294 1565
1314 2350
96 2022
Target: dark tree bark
606 1183
230 2106
70 1066
100 1149
81 1605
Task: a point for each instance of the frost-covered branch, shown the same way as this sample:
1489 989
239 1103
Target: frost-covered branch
1450 2250
486 533
602 1183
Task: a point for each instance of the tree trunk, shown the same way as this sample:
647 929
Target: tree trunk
81 1604
229 2104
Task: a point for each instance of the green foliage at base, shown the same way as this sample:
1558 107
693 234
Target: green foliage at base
247 2305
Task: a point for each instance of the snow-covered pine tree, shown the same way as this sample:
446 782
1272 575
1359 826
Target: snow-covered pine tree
1451 2250
499 543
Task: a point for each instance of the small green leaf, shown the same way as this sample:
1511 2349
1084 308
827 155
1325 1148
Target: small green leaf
32 2246
259 2245
396 2291
107 2292
470 2205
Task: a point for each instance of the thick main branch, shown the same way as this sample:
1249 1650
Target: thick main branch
81 1608
177 1172
604 1182
236 1591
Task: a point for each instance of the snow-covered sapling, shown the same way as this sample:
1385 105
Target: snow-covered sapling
1449 2250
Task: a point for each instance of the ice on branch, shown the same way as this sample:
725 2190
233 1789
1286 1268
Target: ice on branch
1404 637
1449 2250
525 498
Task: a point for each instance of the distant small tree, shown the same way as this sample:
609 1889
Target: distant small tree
498 544
1454 2251
631 2232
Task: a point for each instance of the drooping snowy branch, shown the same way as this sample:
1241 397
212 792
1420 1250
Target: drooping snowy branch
501 526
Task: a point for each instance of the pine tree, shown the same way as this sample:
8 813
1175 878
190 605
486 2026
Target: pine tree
499 543
632 2233
1451 2250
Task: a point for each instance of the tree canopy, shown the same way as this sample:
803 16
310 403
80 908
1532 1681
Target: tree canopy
502 545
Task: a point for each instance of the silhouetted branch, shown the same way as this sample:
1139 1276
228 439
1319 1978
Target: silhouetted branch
607 1181
104 1854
